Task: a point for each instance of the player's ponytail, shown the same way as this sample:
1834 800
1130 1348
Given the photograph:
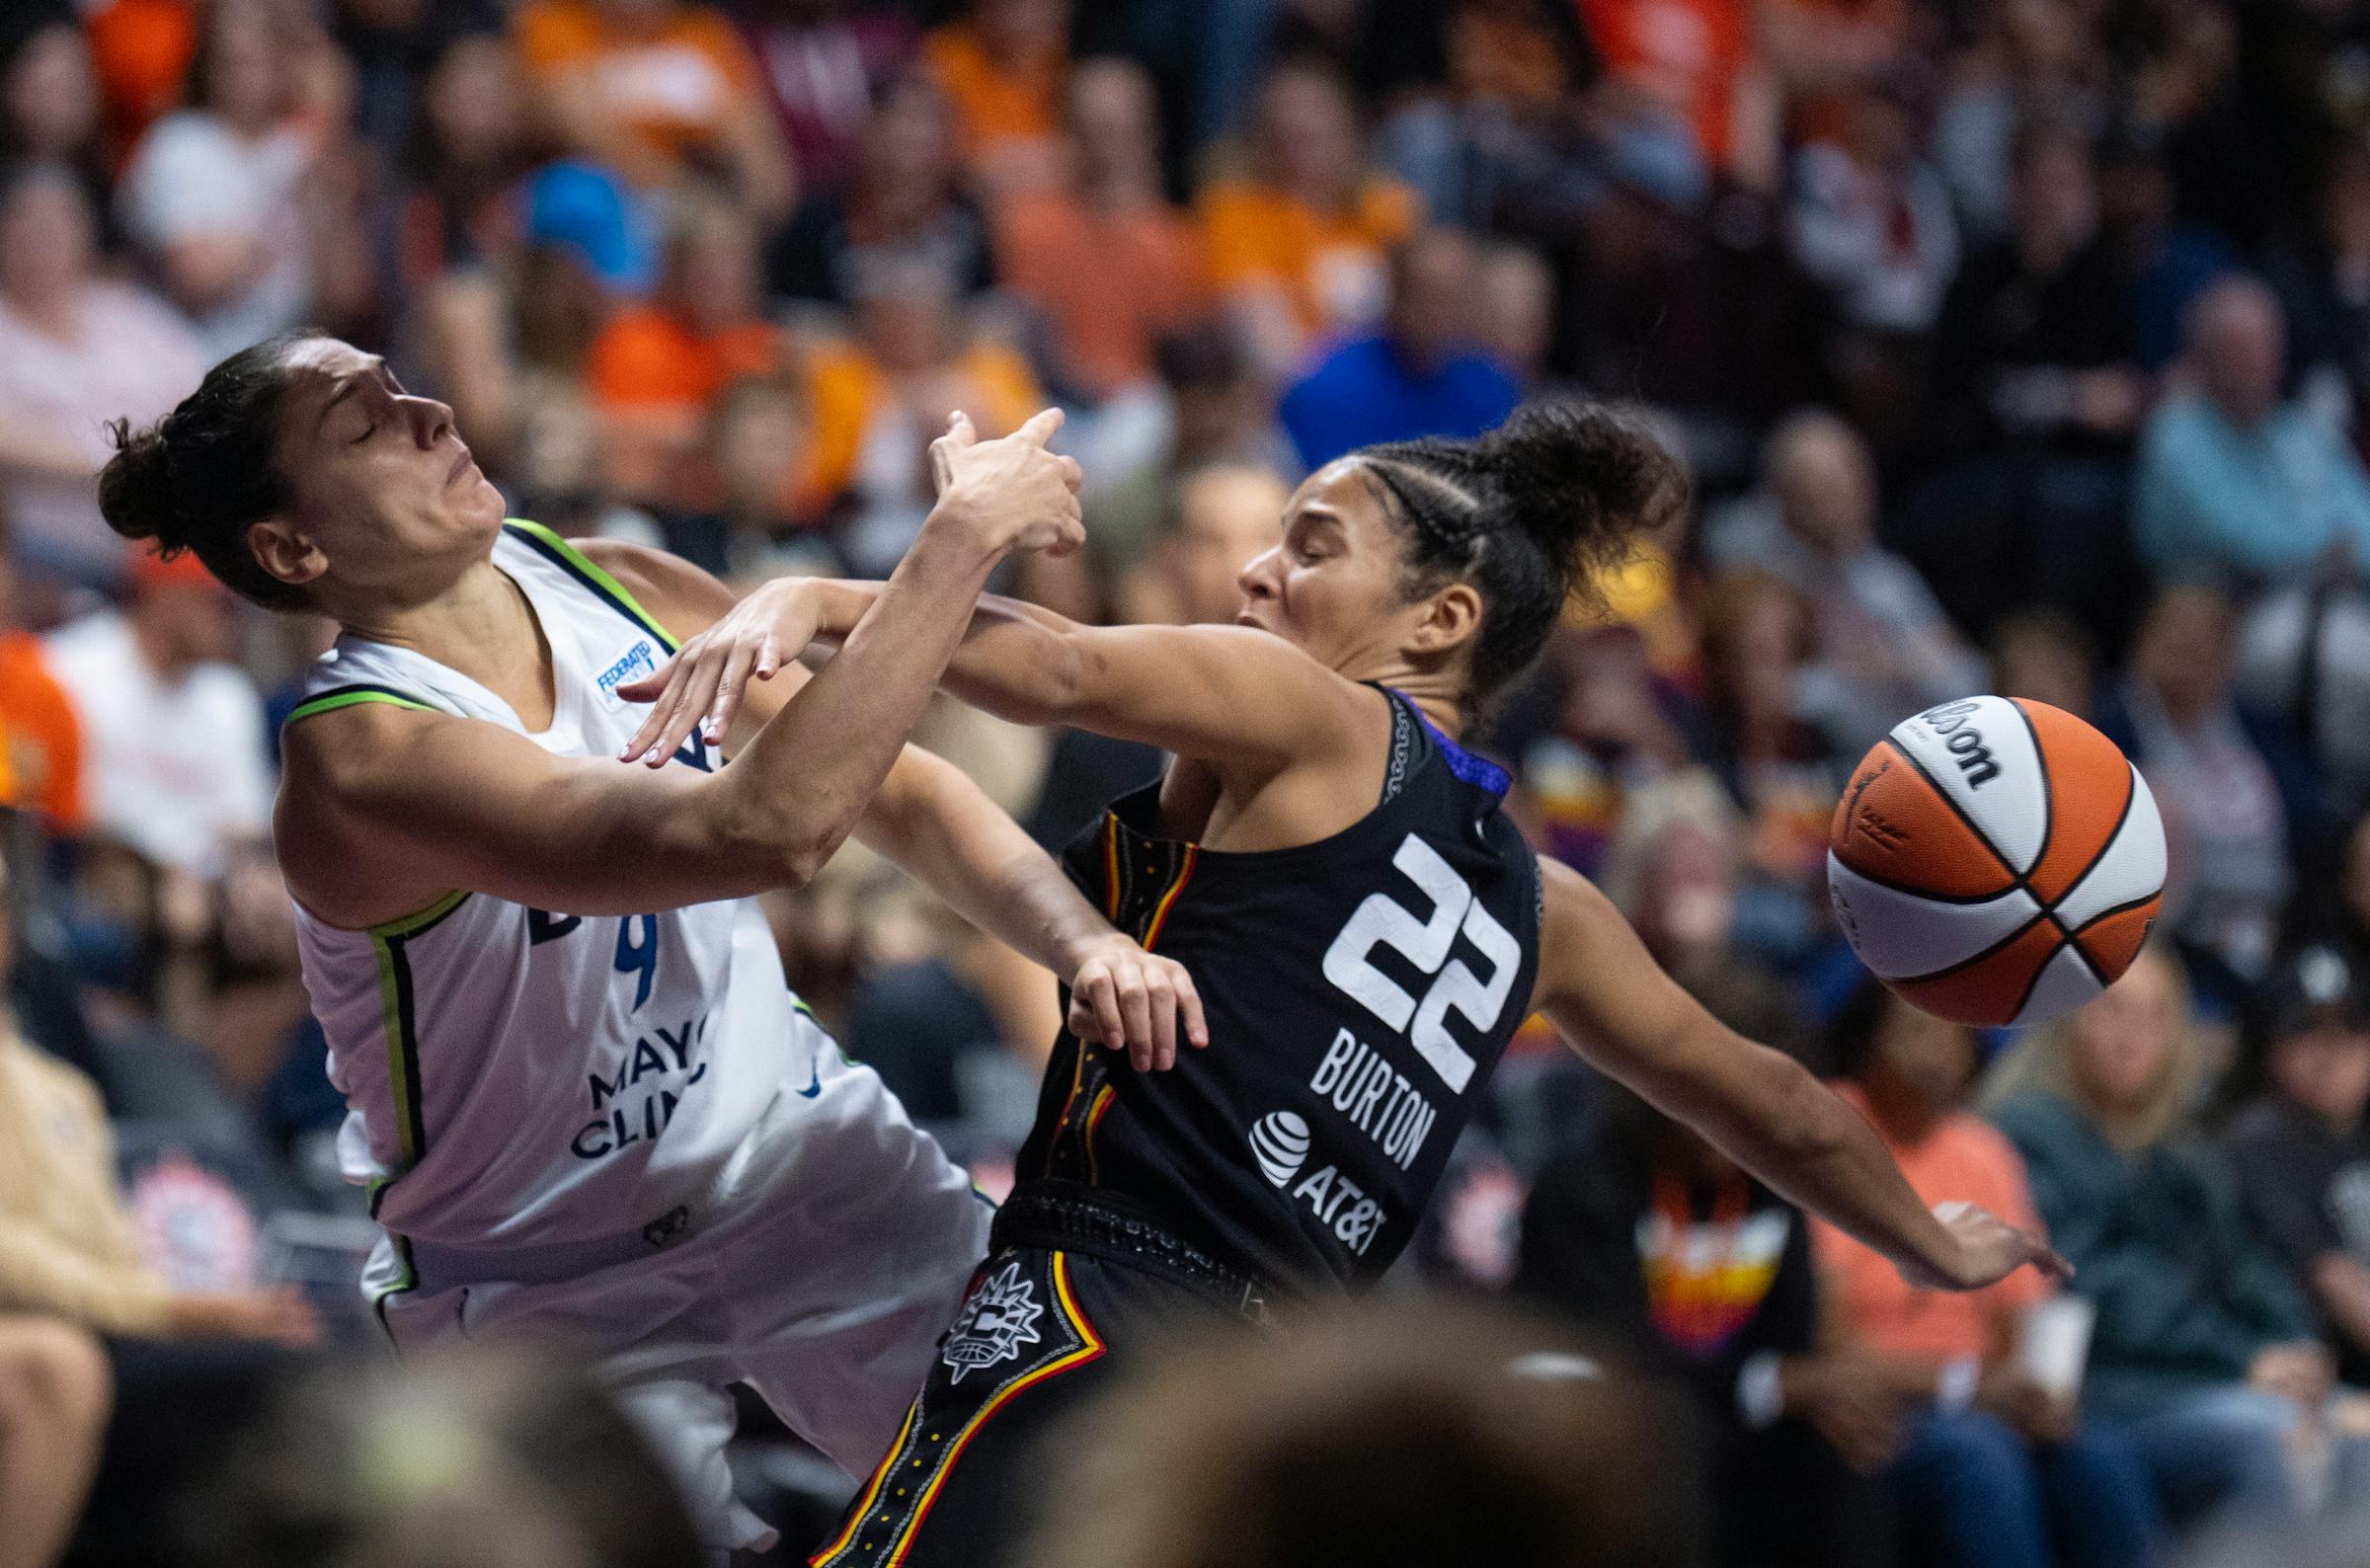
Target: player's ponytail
198 478
1528 515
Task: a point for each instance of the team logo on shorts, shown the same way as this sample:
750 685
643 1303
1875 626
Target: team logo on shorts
1280 1142
1001 1317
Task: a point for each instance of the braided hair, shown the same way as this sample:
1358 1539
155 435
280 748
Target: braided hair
1527 515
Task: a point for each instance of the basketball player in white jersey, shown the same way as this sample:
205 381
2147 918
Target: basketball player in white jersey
583 1097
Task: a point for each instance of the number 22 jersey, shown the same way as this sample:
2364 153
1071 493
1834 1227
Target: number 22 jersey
1360 990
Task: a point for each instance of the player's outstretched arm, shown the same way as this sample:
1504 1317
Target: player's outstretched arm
939 827
404 806
933 820
1230 695
1613 1002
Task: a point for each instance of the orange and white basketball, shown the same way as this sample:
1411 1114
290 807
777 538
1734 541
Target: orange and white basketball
1995 861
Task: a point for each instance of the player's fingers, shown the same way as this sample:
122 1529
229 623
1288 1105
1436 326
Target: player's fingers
1107 1014
1082 1022
1135 1006
663 697
1188 1001
1072 475
1161 996
959 435
742 660
1038 427
698 690
641 688
769 658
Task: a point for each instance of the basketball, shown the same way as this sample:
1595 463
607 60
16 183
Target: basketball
1995 861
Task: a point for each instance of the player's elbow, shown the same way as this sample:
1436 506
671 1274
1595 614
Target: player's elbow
747 850
1804 1123
1059 688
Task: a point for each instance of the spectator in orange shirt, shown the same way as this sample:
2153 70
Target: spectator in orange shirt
1298 248
37 723
143 50
1003 66
1110 263
656 368
1994 1469
656 88
1694 59
880 400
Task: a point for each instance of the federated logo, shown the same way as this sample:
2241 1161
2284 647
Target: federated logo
1001 1317
1280 1143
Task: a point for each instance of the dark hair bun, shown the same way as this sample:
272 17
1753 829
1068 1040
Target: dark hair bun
1582 479
135 488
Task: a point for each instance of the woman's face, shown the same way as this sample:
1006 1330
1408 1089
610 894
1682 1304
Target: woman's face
50 98
245 80
382 484
1331 585
2327 1070
46 238
1930 1056
1764 651
474 99
2124 1041
1308 135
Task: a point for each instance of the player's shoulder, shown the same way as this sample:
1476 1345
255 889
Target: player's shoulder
343 775
338 755
682 598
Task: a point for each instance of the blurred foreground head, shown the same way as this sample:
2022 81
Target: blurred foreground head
477 1461
1436 1437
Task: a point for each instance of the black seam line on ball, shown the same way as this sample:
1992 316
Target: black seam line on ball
2025 999
2131 791
1973 959
2040 760
1925 893
1960 813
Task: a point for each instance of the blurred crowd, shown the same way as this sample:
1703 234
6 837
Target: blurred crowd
2014 344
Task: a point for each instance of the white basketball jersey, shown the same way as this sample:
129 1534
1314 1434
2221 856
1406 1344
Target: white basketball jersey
519 1076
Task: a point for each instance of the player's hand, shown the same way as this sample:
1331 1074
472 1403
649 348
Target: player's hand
703 682
1131 1000
1984 1249
1008 493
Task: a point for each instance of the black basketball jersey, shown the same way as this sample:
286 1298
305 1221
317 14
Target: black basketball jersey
1360 990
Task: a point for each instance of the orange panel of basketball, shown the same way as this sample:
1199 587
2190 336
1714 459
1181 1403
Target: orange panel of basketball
1991 990
1894 825
1995 861
2090 785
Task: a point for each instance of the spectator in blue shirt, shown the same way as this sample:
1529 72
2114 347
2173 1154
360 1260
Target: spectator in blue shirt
1423 375
2232 480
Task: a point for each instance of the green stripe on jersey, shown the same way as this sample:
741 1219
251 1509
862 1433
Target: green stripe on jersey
601 581
396 1009
332 701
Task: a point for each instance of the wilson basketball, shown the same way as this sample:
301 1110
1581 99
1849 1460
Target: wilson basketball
1995 861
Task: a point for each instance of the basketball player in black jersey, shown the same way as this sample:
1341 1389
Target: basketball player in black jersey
1366 927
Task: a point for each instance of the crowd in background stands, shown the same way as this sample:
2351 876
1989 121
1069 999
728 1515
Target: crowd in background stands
2015 345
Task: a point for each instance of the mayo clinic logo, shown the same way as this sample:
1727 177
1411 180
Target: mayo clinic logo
1280 1142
